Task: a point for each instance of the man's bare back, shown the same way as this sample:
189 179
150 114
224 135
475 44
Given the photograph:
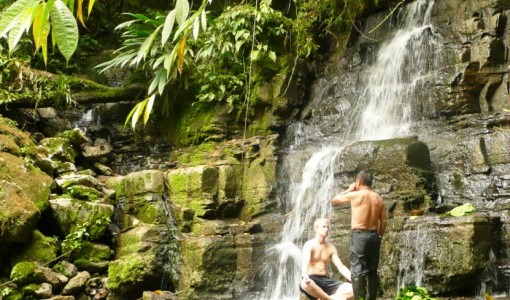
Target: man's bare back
368 224
367 208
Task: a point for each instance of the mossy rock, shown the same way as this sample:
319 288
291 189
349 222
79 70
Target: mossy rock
8 128
31 272
39 249
60 149
208 266
34 184
82 192
70 214
130 276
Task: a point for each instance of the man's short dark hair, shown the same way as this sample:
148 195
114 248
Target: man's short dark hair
365 178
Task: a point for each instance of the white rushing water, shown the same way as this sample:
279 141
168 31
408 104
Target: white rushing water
384 111
411 262
309 200
398 78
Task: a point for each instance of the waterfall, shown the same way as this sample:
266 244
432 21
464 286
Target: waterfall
411 261
309 200
401 72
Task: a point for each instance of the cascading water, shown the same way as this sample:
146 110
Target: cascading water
309 200
401 72
411 262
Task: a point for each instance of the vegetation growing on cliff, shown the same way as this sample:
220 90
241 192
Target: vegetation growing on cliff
211 56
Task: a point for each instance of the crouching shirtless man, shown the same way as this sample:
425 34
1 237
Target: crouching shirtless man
317 253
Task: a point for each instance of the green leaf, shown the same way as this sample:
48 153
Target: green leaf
137 112
254 55
10 15
462 210
168 27
181 11
196 28
272 56
158 82
91 4
182 28
65 29
23 23
147 44
203 20
238 45
148 109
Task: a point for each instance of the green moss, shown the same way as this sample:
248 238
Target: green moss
148 209
82 192
191 267
34 183
9 293
40 249
256 186
457 181
195 125
198 155
189 189
22 272
128 271
29 291
60 148
92 252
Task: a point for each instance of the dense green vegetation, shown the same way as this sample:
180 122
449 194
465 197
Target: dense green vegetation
211 54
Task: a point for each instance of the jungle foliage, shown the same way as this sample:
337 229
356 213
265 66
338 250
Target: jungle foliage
221 53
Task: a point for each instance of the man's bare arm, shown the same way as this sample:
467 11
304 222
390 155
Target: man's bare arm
343 198
382 222
340 266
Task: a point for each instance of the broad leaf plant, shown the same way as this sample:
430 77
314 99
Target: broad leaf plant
51 18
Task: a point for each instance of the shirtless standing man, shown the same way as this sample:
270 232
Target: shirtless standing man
368 224
317 253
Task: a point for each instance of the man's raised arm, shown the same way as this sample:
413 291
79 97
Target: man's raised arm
343 197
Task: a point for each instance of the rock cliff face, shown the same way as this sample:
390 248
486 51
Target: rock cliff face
450 149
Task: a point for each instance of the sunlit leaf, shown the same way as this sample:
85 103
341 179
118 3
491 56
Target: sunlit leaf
203 20
238 45
181 11
196 28
272 56
23 23
65 29
462 210
79 12
128 118
37 25
183 27
126 24
91 4
182 47
41 29
162 81
147 44
254 55
10 15
168 27
158 82
138 109
148 109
